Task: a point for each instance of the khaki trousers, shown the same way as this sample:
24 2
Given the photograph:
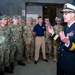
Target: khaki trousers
55 46
39 42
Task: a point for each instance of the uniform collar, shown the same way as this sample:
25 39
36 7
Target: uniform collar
71 24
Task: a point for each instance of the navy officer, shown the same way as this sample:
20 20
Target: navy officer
66 39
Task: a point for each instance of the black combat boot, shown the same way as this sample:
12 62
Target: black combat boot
12 65
1 72
21 63
35 62
45 60
8 70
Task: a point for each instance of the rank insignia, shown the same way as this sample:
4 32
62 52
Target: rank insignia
65 6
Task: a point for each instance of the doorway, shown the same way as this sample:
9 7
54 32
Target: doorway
49 12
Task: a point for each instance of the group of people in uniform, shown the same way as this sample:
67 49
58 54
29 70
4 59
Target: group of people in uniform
11 46
18 39
52 45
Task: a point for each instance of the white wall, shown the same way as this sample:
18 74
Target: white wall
35 10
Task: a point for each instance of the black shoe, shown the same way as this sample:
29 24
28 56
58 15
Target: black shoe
21 63
12 66
8 70
35 62
45 60
1 72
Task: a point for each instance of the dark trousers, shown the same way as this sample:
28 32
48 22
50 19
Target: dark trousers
60 71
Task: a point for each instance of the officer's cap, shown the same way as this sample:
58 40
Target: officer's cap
68 8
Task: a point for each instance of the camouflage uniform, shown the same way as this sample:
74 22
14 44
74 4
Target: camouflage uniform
34 22
28 37
33 42
5 47
32 47
16 42
48 44
21 25
9 19
57 29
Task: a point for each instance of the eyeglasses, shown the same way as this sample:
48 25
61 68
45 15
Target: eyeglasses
66 13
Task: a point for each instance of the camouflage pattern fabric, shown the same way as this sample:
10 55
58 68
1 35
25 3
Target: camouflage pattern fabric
28 37
57 29
16 42
5 47
48 41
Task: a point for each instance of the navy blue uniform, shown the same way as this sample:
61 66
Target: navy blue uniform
66 55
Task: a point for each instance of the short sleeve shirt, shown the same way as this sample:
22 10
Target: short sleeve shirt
39 30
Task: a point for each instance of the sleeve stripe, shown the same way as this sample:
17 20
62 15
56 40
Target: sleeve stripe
73 47
56 37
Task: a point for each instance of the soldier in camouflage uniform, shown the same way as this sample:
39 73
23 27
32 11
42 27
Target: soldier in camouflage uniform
28 38
48 39
16 42
57 29
33 41
9 19
2 40
22 24
34 22
5 47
